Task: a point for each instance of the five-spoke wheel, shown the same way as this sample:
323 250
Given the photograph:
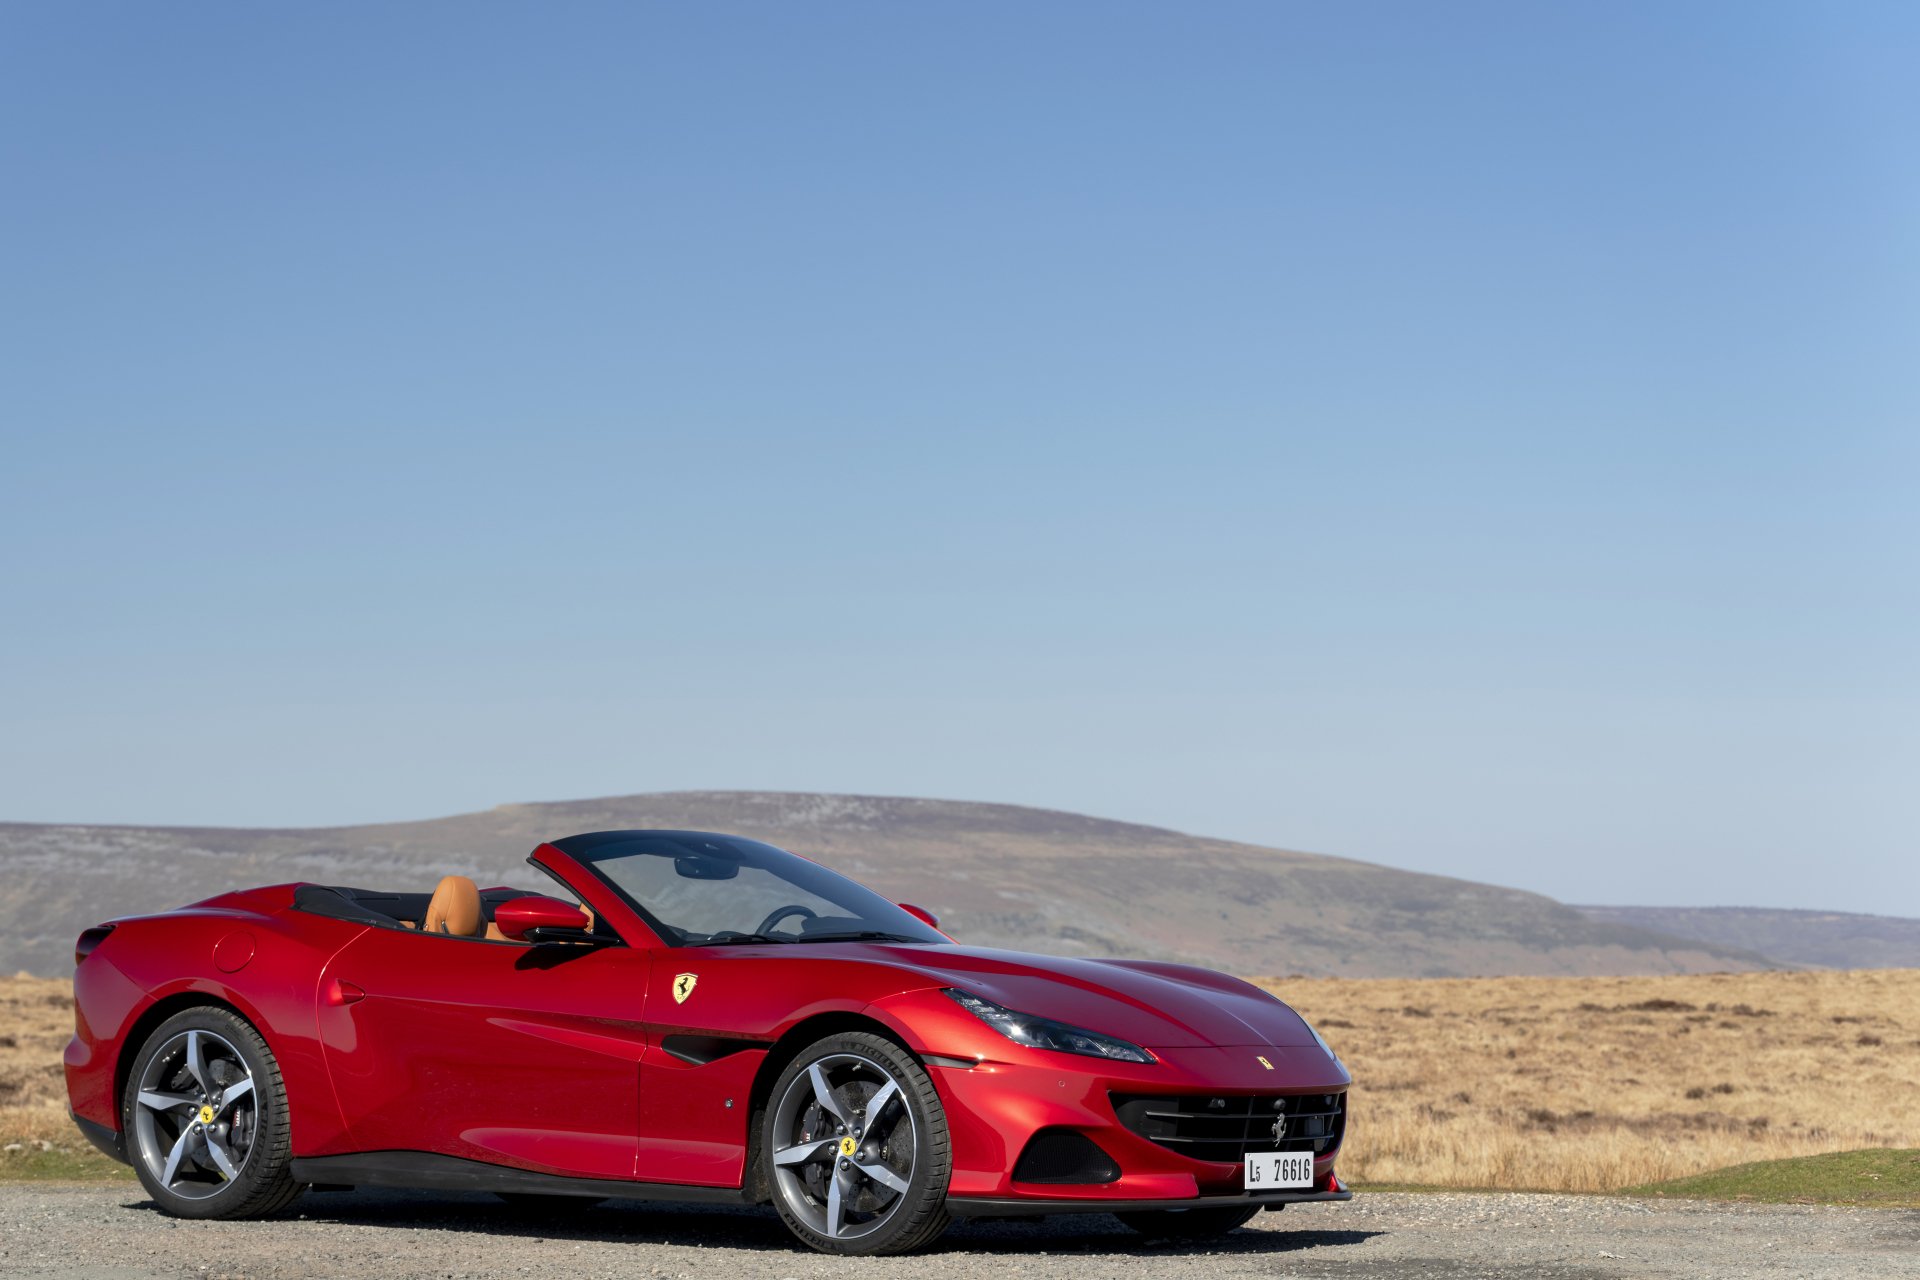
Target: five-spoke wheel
856 1147
194 1114
205 1117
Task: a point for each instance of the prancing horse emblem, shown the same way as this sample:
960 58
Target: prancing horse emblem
1279 1128
683 986
1263 1062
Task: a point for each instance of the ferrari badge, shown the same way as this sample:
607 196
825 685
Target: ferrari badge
683 986
1263 1062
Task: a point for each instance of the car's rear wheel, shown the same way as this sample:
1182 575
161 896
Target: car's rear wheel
855 1148
1188 1224
205 1115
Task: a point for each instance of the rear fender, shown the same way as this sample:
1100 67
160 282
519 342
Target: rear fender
265 967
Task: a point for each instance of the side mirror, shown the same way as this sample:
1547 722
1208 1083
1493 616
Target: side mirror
523 919
921 914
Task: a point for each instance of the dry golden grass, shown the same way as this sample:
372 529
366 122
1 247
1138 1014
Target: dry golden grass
36 1017
1578 1084
1593 1084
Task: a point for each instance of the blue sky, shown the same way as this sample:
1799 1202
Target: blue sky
1478 438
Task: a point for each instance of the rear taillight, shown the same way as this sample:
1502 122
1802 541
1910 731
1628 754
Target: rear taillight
87 941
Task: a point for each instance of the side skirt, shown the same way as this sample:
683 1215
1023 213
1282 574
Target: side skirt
430 1172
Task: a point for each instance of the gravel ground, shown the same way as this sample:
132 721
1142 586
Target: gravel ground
113 1233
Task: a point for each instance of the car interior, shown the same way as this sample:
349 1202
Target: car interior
457 908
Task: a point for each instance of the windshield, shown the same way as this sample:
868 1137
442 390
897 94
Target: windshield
696 889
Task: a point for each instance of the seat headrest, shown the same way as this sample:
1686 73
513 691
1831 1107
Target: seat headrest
455 908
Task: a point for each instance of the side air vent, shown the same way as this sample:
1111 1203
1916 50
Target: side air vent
700 1050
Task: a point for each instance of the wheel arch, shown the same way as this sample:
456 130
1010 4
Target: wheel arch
797 1037
150 1018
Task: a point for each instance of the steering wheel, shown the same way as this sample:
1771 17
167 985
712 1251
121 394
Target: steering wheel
778 914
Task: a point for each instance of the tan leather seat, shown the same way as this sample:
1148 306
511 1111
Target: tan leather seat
455 909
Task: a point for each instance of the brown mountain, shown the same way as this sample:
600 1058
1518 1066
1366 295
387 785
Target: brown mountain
998 875
1814 939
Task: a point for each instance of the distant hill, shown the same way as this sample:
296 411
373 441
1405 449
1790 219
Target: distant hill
1816 939
998 875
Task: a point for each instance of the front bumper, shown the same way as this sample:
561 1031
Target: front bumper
996 1107
983 1206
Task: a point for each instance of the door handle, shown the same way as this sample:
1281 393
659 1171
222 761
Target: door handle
339 992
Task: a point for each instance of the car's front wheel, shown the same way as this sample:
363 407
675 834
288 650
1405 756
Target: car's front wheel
855 1148
205 1116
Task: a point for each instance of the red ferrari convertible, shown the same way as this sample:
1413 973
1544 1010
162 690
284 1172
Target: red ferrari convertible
687 1017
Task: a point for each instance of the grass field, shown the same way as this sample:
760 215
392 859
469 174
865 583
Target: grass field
1877 1179
1576 1084
1599 1084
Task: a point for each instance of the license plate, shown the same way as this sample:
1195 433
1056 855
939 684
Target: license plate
1279 1170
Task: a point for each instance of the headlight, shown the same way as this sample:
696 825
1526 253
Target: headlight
1322 1042
1045 1033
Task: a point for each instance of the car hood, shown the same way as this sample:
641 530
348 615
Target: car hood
1152 1004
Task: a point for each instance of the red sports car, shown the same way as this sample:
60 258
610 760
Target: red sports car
689 1017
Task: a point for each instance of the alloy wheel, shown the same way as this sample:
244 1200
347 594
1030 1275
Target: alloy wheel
195 1115
844 1144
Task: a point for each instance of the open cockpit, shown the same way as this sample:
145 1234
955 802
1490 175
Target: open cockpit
457 908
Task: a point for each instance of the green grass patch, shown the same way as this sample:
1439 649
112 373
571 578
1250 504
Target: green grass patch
1888 1179
61 1164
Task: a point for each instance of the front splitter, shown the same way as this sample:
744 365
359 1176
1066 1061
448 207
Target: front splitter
979 1207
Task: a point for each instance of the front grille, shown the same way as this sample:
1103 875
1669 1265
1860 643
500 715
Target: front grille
1225 1127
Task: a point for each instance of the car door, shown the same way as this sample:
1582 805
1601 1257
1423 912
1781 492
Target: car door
493 1051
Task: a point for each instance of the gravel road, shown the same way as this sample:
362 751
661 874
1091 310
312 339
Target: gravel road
97 1232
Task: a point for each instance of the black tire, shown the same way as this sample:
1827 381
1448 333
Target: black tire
1188 1224
262 1183
547 1205
897 1220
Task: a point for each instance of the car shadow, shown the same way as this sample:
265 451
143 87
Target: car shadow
1092 1233
477 1212
758 1228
